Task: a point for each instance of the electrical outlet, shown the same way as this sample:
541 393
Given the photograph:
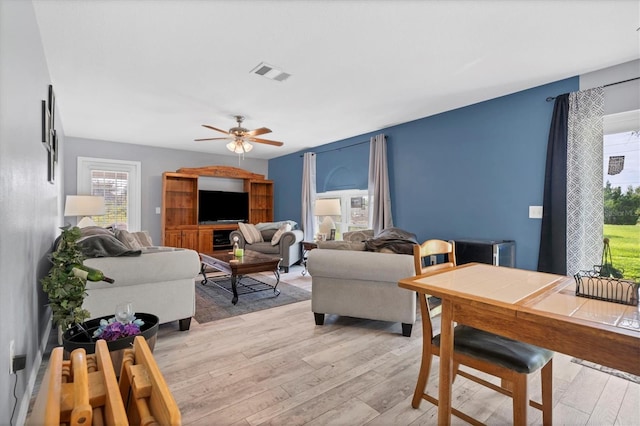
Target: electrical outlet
12 352
535 212
19 363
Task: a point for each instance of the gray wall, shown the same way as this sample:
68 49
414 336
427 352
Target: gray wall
154 162
29 206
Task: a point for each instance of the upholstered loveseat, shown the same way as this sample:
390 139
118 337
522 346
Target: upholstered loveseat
288 247
348 280
157 280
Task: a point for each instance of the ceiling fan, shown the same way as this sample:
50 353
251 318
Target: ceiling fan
240 137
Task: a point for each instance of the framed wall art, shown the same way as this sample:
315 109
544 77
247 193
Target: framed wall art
49 136
52 105
46 123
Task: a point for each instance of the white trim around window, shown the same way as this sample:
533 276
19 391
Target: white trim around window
133 168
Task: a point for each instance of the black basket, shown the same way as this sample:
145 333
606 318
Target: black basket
590 284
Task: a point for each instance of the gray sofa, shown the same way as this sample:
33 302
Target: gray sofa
157 280
289 248
362 284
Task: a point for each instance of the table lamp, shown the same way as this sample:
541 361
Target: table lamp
84 205
327 207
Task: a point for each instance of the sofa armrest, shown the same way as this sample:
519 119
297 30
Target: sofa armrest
237 233
290 238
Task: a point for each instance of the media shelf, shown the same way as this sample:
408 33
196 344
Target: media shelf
180 227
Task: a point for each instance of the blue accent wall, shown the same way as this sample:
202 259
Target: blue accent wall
469 173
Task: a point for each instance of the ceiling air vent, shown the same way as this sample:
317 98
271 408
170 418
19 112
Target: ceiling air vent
270 72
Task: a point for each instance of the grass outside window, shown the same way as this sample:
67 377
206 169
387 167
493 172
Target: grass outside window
624 241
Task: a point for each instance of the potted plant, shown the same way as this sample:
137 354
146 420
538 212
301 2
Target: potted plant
66 289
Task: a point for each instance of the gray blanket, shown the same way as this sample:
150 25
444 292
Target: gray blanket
104 246
393 239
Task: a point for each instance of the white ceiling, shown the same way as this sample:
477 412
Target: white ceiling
151 72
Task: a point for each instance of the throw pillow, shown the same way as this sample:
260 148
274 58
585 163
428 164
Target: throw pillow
250 233
143 238
128 239
276 237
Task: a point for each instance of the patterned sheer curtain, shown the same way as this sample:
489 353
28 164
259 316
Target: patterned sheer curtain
572 223
379 193
308 194
585 208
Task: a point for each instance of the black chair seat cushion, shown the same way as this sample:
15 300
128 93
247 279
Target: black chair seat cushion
512 354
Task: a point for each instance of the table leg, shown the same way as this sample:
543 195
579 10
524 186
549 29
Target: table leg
276 273
304 261
234 288
446 363
202 271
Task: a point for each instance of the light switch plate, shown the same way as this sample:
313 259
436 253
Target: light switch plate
157 210
535 212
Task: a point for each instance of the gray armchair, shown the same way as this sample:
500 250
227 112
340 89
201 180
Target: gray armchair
289 248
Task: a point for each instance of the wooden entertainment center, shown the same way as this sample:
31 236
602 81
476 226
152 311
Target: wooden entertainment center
179 220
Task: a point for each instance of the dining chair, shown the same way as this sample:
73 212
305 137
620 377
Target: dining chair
422 261
510 360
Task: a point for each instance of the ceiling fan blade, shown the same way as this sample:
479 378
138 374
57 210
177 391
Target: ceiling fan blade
260 131
211 139
265 141
216 129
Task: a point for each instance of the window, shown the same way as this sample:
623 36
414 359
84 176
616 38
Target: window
621 181
354 208
119 183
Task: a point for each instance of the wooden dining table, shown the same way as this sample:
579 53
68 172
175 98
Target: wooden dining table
533 307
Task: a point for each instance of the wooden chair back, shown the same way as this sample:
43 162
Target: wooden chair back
422 263
432 248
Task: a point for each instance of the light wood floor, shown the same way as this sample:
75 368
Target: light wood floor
277 367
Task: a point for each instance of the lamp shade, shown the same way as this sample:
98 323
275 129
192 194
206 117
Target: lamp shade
84 205
328 207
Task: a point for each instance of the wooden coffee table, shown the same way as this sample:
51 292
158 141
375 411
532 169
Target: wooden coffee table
236 267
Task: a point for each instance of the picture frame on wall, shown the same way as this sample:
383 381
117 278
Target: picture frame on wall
50 167
54 146
49 136
46 126
51 158
52 106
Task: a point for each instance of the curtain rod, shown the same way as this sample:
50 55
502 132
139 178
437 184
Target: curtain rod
551 98
337 149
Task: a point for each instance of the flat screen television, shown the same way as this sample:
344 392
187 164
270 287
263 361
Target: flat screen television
222 206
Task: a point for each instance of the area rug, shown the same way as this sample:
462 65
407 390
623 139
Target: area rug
613 372
214 303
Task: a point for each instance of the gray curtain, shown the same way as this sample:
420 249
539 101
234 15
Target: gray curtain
379 193
308 195
585 209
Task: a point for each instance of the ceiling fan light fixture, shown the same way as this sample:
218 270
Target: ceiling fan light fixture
239 146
